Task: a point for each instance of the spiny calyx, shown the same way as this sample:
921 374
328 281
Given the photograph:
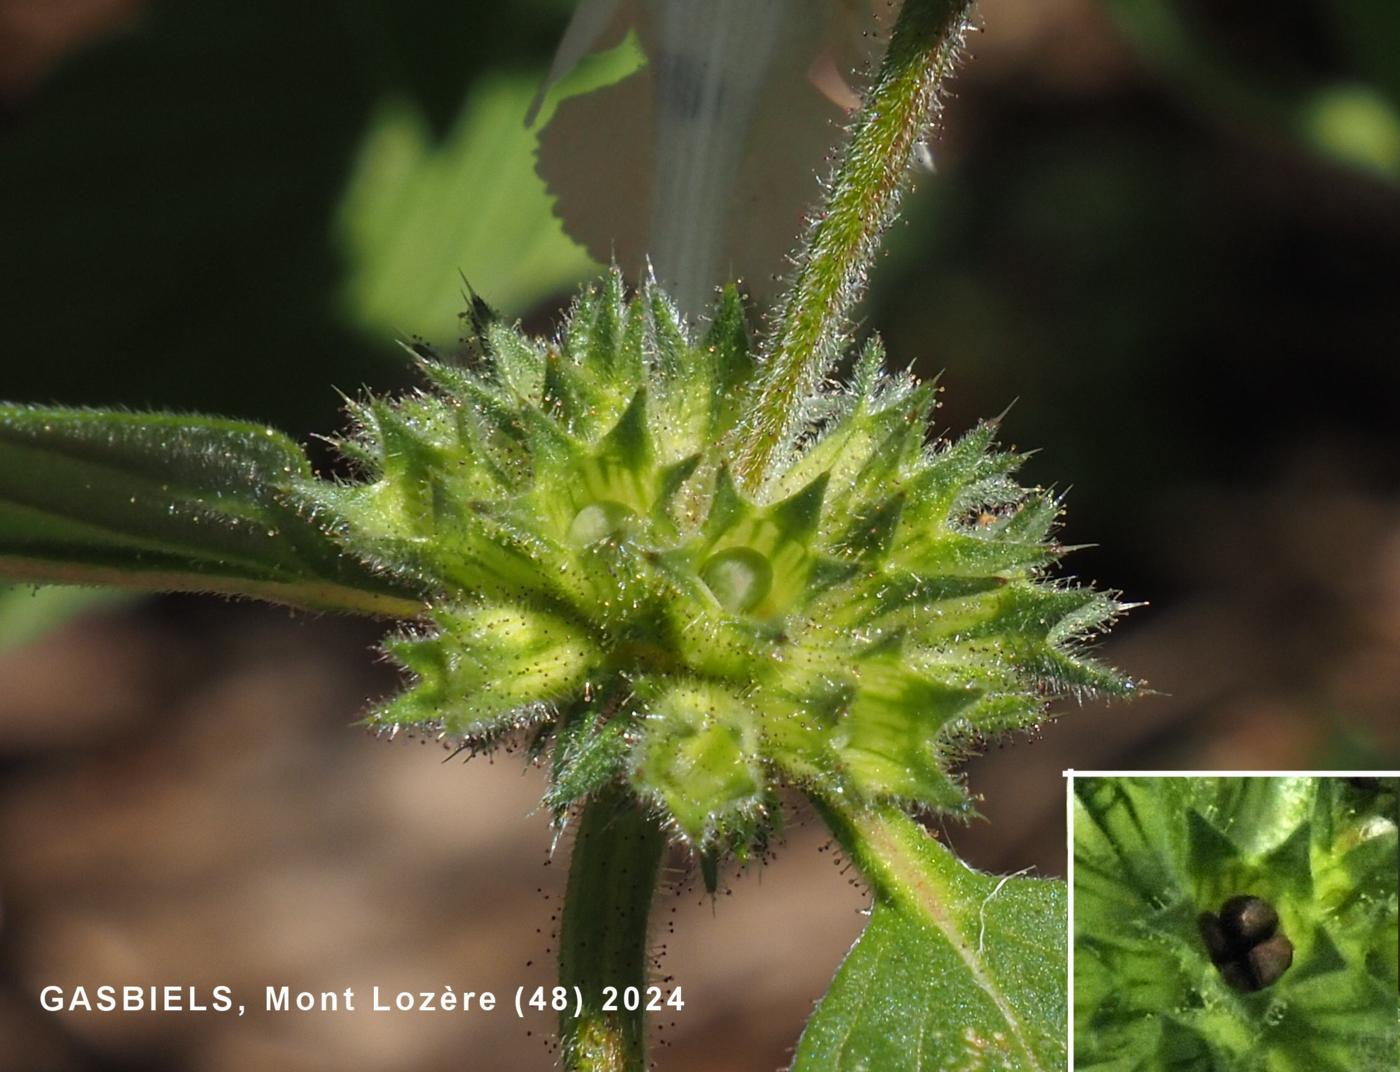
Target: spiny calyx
597 574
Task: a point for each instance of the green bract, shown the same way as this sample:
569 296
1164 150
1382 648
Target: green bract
596 574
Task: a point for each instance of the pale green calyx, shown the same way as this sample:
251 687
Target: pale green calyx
597 576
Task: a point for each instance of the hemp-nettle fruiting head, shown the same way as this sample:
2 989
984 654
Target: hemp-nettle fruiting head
598 576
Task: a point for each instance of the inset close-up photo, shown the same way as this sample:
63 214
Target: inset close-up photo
1241 923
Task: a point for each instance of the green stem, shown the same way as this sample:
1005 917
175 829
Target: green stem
843 236
891 850
603 935
910 868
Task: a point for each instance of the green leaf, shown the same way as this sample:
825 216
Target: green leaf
420 213
957 968
163 501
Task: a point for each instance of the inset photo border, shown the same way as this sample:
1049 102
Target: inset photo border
1234 920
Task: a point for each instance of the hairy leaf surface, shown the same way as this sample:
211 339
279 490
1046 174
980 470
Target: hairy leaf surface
169 502
957 969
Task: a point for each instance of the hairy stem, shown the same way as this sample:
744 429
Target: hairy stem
888 846
603 935
843 236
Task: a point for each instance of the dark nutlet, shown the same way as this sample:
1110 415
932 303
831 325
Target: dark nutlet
1213 934
1244 943
1248 920
1268 960
1261 966
1238 975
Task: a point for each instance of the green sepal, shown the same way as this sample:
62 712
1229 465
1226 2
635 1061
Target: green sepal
669 481
595 329
628 443
488 670
590 750
871 531
949 472
728 350
518 363
670 349
796 517
410 464
699 755
727 507
891 730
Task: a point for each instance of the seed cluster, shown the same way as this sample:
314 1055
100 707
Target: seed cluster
1244 942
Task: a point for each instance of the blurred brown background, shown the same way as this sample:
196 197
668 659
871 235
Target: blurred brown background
1169 229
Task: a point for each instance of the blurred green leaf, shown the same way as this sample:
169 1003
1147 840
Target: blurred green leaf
420 214
1356 125
171 197
967 970
168 502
